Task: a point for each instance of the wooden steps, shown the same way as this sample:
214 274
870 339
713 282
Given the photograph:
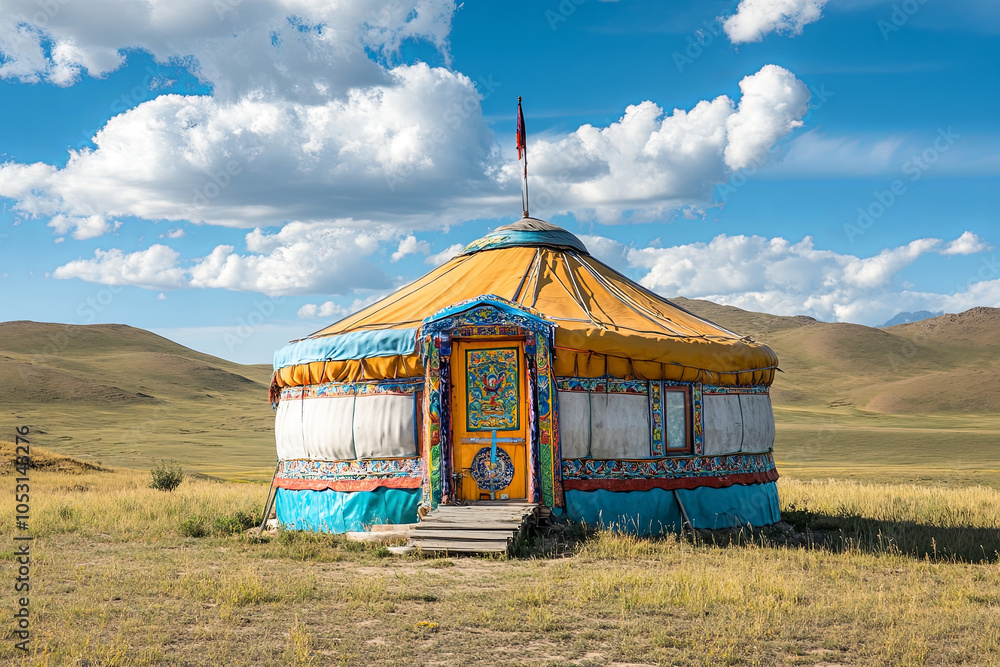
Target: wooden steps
486 526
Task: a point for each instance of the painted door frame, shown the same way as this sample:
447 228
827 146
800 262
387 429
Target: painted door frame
489 316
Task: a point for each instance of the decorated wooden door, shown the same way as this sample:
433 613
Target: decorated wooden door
490 419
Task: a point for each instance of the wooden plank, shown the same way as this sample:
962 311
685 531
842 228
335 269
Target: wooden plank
466 517
489 510
469 515
514 521
390 527
483 510
464 535
474 547
416 539
478 515
472 525
475 517
457 536
489 504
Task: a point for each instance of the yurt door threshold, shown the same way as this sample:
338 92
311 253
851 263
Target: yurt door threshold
490 430
483 527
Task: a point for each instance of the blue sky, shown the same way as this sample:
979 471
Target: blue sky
235 174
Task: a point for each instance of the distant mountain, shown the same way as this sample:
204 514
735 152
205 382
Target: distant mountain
906 318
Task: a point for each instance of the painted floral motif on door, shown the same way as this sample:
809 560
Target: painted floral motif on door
493 389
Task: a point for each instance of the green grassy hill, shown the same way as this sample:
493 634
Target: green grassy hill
125 396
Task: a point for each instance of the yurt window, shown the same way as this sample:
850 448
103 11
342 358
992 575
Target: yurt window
676 419
670 418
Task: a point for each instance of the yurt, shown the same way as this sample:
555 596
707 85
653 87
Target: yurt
525 370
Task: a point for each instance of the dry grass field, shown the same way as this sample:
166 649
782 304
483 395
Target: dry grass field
888 442
910 577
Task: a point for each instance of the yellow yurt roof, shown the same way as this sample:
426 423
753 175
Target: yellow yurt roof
605 324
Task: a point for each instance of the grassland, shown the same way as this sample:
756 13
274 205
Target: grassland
117 580
842 443
888 443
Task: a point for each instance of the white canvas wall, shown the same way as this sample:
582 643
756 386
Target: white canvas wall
384 427
328 428
723 424
342 428
758 422
619 426
574 424
738 423
288 430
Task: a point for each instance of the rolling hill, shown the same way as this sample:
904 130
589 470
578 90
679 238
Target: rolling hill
125 396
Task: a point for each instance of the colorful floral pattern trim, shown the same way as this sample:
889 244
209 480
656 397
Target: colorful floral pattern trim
656 423
699 466
749 389
605 385
327 389
548 425
485 331
366 475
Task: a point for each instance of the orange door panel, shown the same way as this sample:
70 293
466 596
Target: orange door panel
490 419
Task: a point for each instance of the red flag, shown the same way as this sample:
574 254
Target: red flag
521 139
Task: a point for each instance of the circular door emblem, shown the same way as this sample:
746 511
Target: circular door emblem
492 476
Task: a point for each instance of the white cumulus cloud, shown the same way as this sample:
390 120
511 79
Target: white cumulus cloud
332 311
437 259
772 105
395 151
409 245
650 162
300 258
296 48
326 309
776 275
154 268
968 243
755 18
83 227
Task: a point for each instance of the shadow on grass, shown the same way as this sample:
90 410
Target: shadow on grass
834 533
845 531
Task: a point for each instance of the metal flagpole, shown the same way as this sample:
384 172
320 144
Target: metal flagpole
522 150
